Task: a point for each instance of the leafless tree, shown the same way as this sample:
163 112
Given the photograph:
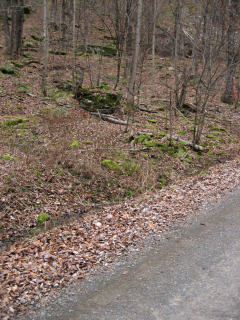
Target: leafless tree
45 49
132 78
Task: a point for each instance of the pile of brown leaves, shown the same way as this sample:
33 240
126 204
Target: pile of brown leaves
35 267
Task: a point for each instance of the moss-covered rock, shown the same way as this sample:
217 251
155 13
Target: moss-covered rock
93 101
58 52
106 51
65 85
9 69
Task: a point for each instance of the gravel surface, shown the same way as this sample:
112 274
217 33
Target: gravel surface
194 271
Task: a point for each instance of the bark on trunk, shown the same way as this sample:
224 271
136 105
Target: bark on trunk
5 25
17 27
45 49
132 79
232 58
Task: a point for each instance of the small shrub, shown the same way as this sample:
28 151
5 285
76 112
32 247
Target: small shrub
43 217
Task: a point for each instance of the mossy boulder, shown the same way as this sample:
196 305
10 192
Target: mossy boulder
65 85
106 51
58 52
94 101
9 69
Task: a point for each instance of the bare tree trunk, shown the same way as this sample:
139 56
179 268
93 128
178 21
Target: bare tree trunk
85 24
45 49
53 14
63 25
74 45
119 40
153 46
180 90
5 24
232 58
17 27
132 79
129 39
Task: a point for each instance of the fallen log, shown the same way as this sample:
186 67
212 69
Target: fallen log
188 143
108 118
146 110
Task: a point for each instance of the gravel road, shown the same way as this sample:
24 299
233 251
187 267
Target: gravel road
192 274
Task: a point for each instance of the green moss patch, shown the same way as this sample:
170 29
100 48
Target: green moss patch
130 167
6 157
74 144
111 165
58 52
13 122
152 143
106 51
143 138
43 217
152 120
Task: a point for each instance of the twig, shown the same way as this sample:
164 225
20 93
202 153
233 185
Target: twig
108 118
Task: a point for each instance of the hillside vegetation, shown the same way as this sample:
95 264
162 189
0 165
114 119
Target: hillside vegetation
58 160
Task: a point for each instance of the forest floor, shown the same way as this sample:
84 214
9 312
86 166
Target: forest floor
68 178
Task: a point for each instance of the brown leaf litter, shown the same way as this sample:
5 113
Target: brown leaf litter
36 267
